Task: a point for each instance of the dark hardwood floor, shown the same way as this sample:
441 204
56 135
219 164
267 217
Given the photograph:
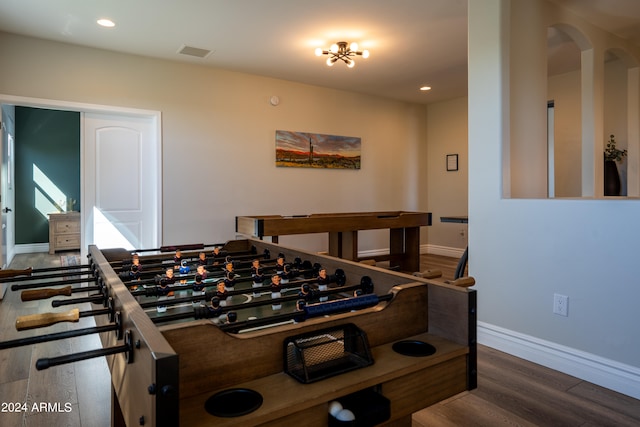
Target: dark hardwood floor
76 394
510 391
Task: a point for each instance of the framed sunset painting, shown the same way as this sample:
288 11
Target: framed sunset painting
316 150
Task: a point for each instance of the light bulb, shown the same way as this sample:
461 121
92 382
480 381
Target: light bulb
330 62
365 53
350 63
354 46
319 51
334 48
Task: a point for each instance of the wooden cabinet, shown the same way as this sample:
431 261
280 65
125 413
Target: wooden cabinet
64 231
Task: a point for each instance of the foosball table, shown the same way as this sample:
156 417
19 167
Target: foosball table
315 340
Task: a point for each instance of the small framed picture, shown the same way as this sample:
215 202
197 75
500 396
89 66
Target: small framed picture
452 162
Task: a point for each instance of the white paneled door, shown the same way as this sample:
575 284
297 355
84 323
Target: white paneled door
122 186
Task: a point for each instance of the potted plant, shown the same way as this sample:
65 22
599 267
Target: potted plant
612 155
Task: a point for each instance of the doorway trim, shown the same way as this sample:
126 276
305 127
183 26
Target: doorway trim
102 109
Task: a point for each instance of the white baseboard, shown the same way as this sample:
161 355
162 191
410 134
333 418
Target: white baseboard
31 248
424 249
442 250
598 370
373 252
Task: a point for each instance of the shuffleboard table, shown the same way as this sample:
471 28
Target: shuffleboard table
404 232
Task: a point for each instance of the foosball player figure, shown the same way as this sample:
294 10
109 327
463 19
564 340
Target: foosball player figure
135 271
285 274
222 293
177 259
232 317
229 281
202 258
216 255
215 310
323 282
280 264
197 288
228 266
164 291
305 293
202 270
258 280
255 265
135 260
184 269
276 289
169 276
300 314
134 275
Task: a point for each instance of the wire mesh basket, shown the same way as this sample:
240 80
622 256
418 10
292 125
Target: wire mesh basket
325 353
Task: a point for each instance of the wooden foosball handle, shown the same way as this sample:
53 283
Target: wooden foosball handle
464 282
431 274
45 293
46 319
15 273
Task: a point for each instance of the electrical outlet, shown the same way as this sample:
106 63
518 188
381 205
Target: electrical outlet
561 305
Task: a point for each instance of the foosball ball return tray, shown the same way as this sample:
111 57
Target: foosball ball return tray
346 357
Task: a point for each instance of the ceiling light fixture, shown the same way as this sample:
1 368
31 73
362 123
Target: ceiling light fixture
344 51
106 23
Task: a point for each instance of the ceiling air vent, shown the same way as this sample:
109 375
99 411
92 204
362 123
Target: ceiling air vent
194 51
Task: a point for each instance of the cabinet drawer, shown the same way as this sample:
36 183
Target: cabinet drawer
66 227
67 241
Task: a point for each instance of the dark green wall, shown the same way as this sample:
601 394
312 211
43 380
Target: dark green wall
50 140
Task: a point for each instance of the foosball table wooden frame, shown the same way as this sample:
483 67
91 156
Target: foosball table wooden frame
172 369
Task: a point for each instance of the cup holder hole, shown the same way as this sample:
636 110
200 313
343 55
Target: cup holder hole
233 402
413 348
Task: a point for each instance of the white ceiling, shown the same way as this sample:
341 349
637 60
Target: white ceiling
412 42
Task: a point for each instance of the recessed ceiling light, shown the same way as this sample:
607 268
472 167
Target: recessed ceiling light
106 23
425 88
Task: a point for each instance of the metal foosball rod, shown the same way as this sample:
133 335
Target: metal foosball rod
23 286
20 342
12 273
166 256
46 293
60 268
127 348
102 297
34 273
51 276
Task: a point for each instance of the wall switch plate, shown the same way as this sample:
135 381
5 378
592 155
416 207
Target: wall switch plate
561 305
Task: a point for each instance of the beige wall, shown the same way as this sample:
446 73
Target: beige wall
523 251
564 89
448 191
218 132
